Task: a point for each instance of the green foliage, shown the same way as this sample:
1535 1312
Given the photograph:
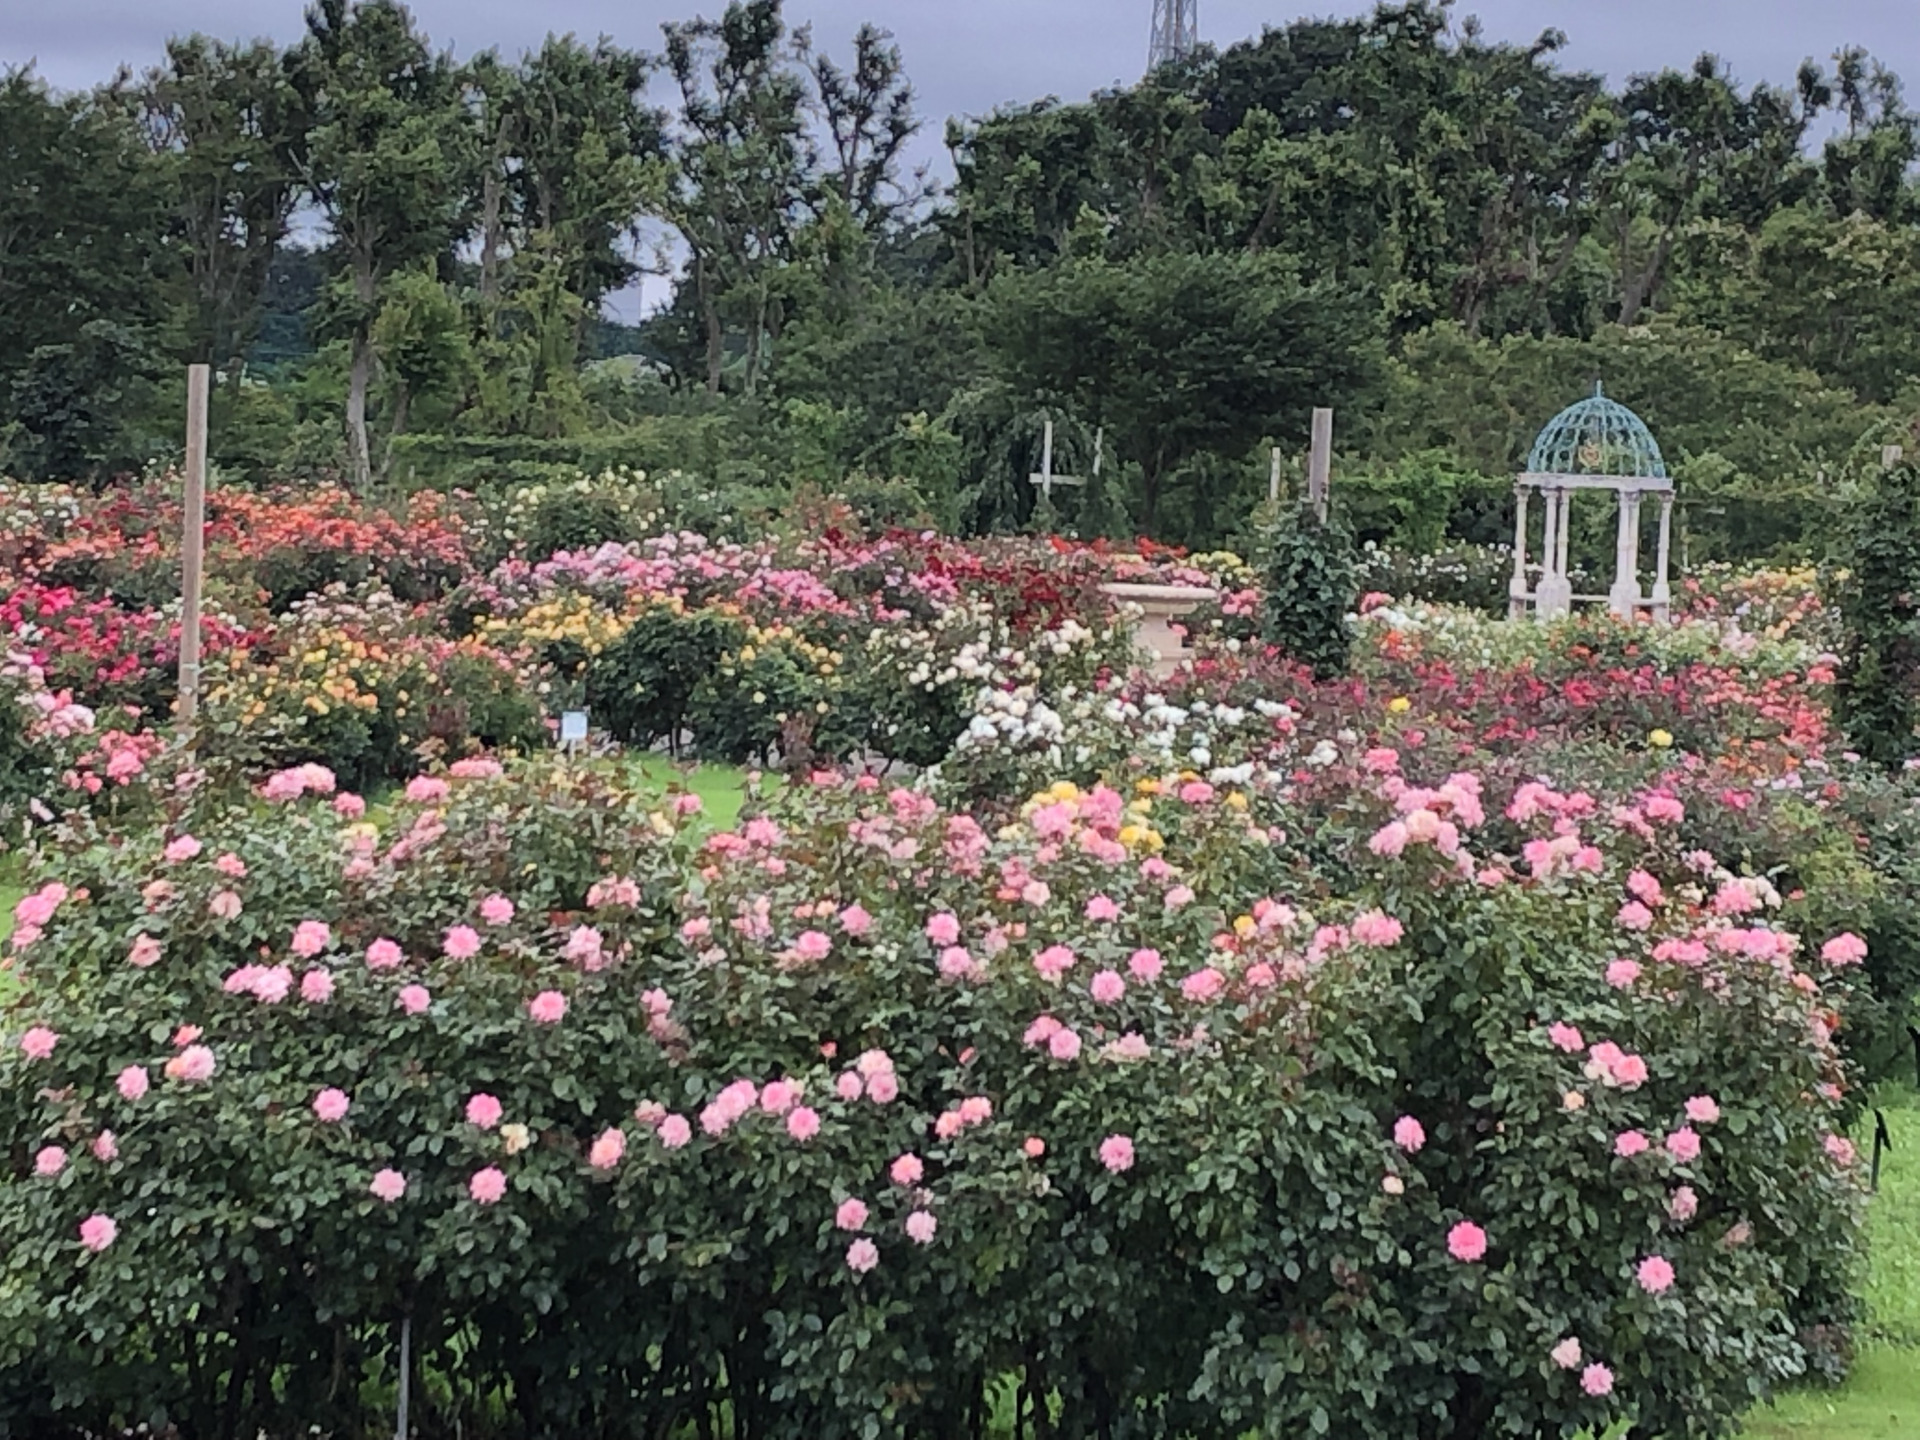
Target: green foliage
1178 355
1877 591
1241 1267
1311 575
641 686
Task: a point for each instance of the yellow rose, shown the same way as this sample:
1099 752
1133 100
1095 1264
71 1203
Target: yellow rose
1399 705
1660 739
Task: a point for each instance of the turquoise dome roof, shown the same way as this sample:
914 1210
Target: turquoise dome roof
1597 436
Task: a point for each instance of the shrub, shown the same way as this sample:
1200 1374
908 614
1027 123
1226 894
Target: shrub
1312 586
865 1111
1878 596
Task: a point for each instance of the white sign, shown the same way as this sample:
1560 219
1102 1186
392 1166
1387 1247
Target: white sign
573 727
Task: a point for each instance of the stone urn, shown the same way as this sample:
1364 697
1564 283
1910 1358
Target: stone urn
1159 607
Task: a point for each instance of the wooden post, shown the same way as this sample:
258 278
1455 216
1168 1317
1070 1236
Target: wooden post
199 379
1320 462
1273 477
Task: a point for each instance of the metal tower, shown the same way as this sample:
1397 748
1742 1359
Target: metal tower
1176 31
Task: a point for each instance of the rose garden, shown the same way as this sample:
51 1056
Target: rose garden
913 1012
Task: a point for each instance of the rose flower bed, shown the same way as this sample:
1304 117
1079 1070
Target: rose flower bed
1511 1113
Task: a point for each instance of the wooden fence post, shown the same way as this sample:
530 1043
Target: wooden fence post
192 543
1320 462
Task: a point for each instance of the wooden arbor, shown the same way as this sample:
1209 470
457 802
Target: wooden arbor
1593 445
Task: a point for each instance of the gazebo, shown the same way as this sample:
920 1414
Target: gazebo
1596 444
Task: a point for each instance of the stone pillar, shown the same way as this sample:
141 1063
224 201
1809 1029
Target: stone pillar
1662 593
1624 599
1554 597
1517 587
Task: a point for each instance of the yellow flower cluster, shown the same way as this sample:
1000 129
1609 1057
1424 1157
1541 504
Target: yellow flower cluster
566 618
823 660
327 670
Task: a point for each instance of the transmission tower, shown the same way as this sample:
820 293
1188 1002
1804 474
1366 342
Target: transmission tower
1176 31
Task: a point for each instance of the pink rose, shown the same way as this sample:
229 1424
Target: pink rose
1409 1134
1848 949
607 1150
852 1214
145 952
884 1088
1629 1143
1116 1153
1597 1380
1107 987
193 1065
854 920
383 954
906 1170
310 937
331 1105
1466 1242
487 1186
484 1111
38 1042
388 1185
414 998
1684 1145
1566 1354
132 1082
920 1227
461 942
803 1123
49 1160
316 987
97 1232
943 928
105 1147
1703 1109
675 1131
1655 1273
496 910
549 1007
862 1256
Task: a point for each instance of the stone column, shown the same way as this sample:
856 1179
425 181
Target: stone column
1624 599
1517 587
1554 597
1662 593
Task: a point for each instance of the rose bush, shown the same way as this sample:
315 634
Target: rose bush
1179 1107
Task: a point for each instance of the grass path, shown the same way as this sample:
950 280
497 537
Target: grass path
1881 1399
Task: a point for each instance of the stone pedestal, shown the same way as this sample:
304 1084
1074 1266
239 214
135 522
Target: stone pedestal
1160 606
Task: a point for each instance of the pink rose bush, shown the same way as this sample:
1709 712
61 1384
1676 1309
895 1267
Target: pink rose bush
1295 1142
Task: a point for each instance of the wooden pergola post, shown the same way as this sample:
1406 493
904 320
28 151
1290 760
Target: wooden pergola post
192 542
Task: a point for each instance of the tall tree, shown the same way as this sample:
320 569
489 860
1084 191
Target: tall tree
390 162
869 118
229 130
84 264
1180 355
744 160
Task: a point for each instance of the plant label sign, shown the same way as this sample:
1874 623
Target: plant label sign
573 727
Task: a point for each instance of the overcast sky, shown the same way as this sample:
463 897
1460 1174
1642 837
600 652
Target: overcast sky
966 56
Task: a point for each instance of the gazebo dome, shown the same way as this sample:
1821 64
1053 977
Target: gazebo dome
1597 436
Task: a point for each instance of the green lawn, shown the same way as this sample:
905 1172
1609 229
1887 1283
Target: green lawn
722 788
1881 1400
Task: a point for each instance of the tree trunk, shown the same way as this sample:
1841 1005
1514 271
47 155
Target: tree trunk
1637 288
710 313
359 380
399 428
